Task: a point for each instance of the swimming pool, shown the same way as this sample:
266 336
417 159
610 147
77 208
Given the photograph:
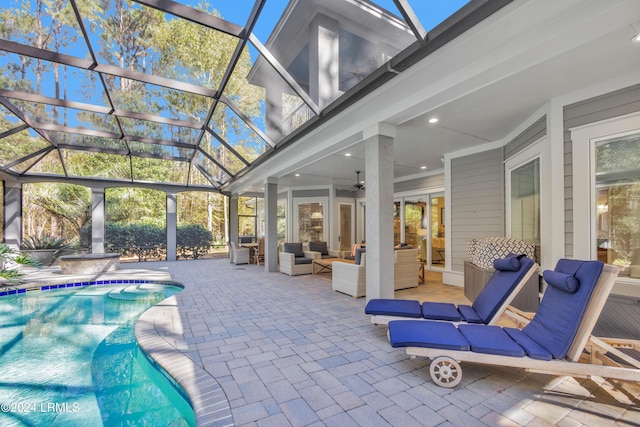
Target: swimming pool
68 357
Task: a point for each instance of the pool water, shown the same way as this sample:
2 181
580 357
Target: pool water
68 357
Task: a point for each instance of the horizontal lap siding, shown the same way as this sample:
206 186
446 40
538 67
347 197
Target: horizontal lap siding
427 183
614 104
477 201
532 134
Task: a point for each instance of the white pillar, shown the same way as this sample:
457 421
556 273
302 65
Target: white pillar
379 210
172 222
271 226
97 220
233 218
13 214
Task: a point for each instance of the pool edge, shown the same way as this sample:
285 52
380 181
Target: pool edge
207 397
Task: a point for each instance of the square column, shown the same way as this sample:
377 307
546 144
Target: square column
172 224
379 210
233 218
97 220
13 214
271 226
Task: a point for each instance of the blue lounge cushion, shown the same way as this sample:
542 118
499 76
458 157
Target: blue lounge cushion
426 333
560 313
359 253
294 248
490 339
394 307
531 348
469 314
319 247
561 281
440 311
510 263
498 288
302 260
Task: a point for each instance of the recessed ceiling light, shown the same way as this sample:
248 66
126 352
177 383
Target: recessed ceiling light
433 120
636 38
423 167
347 154
297 174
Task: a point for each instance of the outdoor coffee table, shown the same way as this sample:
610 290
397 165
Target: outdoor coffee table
325 265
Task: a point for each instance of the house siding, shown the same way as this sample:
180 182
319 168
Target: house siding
532 134
610 105
477 201
431 182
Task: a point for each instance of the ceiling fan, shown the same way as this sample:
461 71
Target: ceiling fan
359 185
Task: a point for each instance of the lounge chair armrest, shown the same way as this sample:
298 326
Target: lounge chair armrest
286 258
335 253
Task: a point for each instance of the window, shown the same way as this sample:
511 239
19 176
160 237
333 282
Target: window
311 222
617 203
525 203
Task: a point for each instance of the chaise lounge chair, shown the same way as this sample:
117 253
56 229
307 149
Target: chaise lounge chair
510 276
551 343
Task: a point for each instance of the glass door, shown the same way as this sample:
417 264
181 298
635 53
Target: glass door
311 225
346 226
524 203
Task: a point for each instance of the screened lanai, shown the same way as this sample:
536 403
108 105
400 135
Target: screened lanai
186 94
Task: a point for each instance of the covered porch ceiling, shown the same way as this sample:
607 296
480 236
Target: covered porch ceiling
482 87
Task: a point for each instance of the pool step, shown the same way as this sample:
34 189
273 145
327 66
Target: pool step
135 292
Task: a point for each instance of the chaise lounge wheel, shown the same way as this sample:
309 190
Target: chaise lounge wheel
445 372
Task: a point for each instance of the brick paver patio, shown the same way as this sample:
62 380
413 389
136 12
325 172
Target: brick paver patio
265 349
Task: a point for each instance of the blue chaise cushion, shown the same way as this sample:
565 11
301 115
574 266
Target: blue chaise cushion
440 311
532 348
294 248
425 333
393 307
510 263
490 339
560 313
500 286
469 315
561 281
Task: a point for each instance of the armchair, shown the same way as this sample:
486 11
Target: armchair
294 261
349 278
240 255
325 253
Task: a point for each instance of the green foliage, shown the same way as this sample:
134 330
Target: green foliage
194 239
47 241
142 240
9 261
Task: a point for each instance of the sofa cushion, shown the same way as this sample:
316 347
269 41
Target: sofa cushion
359 253
294 248
302 260
319 247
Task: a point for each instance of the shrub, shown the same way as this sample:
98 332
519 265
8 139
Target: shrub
142 240
193 238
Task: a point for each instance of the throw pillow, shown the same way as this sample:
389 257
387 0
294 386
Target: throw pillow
294 248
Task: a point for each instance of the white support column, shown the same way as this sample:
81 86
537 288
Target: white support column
379 210
233 218
13 214
172 224
97 220
271 226
323 60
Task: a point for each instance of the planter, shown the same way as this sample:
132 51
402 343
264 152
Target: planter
44 256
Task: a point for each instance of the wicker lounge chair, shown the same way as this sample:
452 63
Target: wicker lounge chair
510 276
552 342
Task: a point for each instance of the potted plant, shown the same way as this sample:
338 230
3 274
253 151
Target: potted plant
45 249
9 261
